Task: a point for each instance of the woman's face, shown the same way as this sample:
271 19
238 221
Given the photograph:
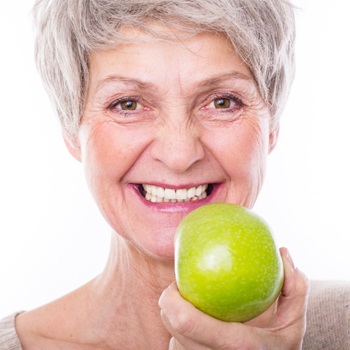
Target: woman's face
170 126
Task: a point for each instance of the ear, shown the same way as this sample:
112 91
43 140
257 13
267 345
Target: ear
73 145
273 137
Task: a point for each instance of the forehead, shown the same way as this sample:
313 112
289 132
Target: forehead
175 55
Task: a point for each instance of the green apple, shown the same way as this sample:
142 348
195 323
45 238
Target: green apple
227 263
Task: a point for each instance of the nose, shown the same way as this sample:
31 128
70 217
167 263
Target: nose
178 147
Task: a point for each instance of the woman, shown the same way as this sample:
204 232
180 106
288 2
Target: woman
169 105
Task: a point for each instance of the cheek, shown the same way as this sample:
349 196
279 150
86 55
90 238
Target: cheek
110 151
242 149
243 153
257 147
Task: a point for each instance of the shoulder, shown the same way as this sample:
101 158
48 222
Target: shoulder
328 316
8 335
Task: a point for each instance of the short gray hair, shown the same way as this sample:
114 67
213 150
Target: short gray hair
261 31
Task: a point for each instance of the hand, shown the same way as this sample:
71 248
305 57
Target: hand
281 327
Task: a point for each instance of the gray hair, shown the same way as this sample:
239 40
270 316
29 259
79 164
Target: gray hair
261 31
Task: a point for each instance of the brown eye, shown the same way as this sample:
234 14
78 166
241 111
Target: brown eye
128 105
222 103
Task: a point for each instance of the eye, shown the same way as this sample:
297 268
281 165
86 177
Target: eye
124 105
130 109
226 102
129 105
222 103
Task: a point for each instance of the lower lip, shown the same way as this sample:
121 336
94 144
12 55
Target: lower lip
178 207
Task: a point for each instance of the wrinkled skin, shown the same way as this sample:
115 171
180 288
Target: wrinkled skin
172 114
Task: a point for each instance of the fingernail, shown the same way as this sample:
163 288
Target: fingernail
290 260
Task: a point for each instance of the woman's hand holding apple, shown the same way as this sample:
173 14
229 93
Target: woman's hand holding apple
281 327
228 266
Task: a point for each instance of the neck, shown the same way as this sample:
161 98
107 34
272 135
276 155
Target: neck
127 294
131 272
118 309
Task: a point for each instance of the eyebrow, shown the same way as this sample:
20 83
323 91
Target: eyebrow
213 81
142 85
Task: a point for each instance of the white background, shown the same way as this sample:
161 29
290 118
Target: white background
52 237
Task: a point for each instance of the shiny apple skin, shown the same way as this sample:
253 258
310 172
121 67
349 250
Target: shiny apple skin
227 263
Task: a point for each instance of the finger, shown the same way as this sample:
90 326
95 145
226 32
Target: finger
289 324
180 342
178 321
292 303
266 319
175 345
196 330
188 345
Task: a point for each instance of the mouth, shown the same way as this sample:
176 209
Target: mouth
157 194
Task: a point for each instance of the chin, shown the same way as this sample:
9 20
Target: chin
160 251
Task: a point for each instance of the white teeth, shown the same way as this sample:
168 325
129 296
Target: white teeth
191 192
199 191
168 193
154 191
181 194
157 194
160 192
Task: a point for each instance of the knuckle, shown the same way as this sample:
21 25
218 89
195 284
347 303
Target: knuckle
183 322
237 337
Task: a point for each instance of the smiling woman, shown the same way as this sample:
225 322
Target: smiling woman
168 106
174 109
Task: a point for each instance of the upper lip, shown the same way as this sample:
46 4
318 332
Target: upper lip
175 187
175 192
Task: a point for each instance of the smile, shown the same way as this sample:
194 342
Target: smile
157 194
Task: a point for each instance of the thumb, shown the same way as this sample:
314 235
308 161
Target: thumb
175 345
294 296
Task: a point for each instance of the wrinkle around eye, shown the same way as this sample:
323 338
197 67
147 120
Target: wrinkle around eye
125 118
138 112
224 114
